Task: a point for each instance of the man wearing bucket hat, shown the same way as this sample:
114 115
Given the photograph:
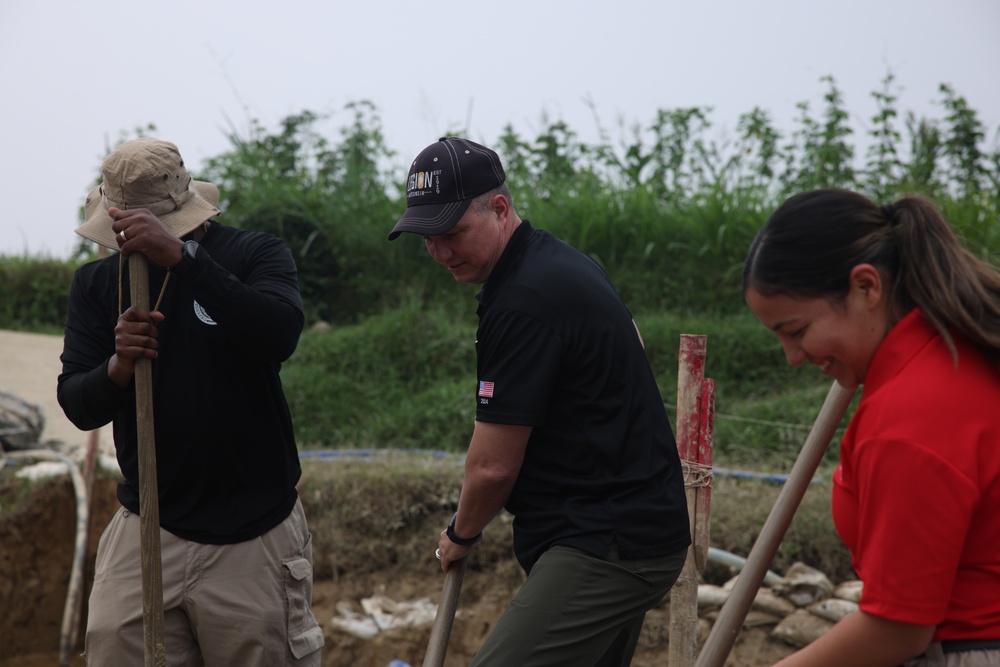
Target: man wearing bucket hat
571 435
235 547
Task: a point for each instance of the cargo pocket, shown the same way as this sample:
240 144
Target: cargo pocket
304 633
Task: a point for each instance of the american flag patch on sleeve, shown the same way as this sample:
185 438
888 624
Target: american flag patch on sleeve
486 389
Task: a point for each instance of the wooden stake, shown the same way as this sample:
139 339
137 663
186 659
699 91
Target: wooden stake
693 439
149 506
730 621
437 646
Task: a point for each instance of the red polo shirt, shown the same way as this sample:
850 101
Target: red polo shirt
917 493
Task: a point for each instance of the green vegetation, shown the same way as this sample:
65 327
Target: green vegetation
665 207
33 292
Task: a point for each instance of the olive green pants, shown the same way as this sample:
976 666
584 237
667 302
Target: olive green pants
578 610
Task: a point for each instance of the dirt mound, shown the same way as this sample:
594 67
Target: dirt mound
36 549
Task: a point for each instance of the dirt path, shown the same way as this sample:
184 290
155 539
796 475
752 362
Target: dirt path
29 367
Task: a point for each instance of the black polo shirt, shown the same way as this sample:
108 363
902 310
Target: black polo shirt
557 350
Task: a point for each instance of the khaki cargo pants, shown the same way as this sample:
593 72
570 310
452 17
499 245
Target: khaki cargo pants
245 604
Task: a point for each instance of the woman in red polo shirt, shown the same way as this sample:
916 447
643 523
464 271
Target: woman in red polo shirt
886 297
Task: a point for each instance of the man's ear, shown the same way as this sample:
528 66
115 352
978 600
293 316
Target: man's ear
500 205
866 279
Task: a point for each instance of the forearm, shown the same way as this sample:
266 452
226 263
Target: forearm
491 469
863 640
484 493
84 389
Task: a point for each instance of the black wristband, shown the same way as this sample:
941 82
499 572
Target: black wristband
461 541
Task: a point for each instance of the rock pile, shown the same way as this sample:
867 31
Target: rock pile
802 606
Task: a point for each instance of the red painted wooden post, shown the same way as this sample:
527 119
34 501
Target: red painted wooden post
695 411
703 495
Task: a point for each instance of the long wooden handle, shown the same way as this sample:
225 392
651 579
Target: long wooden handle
149 505
727 627
437 646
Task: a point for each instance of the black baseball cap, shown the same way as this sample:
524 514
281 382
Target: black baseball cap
444 178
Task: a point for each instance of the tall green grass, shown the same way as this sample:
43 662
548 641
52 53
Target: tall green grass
401 379
405 379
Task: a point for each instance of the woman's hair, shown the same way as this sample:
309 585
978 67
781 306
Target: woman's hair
809 246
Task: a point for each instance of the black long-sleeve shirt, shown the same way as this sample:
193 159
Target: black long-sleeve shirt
226 459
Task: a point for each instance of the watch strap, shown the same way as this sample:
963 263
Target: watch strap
461 541
188 253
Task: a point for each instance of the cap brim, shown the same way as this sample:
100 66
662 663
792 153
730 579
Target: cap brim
430 219
202 205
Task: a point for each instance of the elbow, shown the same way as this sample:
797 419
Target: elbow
285 347
75 416
281 340
914 639
497 477
70 396
292 326
62 397
917 643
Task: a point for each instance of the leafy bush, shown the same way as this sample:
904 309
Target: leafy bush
33 293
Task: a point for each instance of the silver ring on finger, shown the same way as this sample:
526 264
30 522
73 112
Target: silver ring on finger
122 235
437 554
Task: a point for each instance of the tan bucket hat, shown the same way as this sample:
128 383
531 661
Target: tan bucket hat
148 173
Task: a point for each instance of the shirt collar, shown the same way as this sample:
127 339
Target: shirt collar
515 246
910 335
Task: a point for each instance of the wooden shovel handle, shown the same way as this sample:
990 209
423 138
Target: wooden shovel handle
149 503
437 646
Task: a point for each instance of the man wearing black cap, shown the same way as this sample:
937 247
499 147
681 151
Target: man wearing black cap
571 435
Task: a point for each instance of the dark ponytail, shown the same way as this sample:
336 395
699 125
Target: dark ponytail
810 244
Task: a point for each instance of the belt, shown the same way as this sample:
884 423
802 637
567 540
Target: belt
959 645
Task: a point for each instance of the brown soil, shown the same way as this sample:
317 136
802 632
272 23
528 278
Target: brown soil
36 549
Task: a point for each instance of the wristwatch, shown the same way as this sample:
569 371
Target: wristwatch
188 252
461 541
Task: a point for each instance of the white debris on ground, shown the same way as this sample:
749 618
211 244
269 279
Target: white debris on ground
801 607
382 613
46 469
42 470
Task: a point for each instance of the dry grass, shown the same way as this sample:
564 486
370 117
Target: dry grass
380 512
372 513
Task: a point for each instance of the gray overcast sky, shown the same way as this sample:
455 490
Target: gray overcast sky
75 76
